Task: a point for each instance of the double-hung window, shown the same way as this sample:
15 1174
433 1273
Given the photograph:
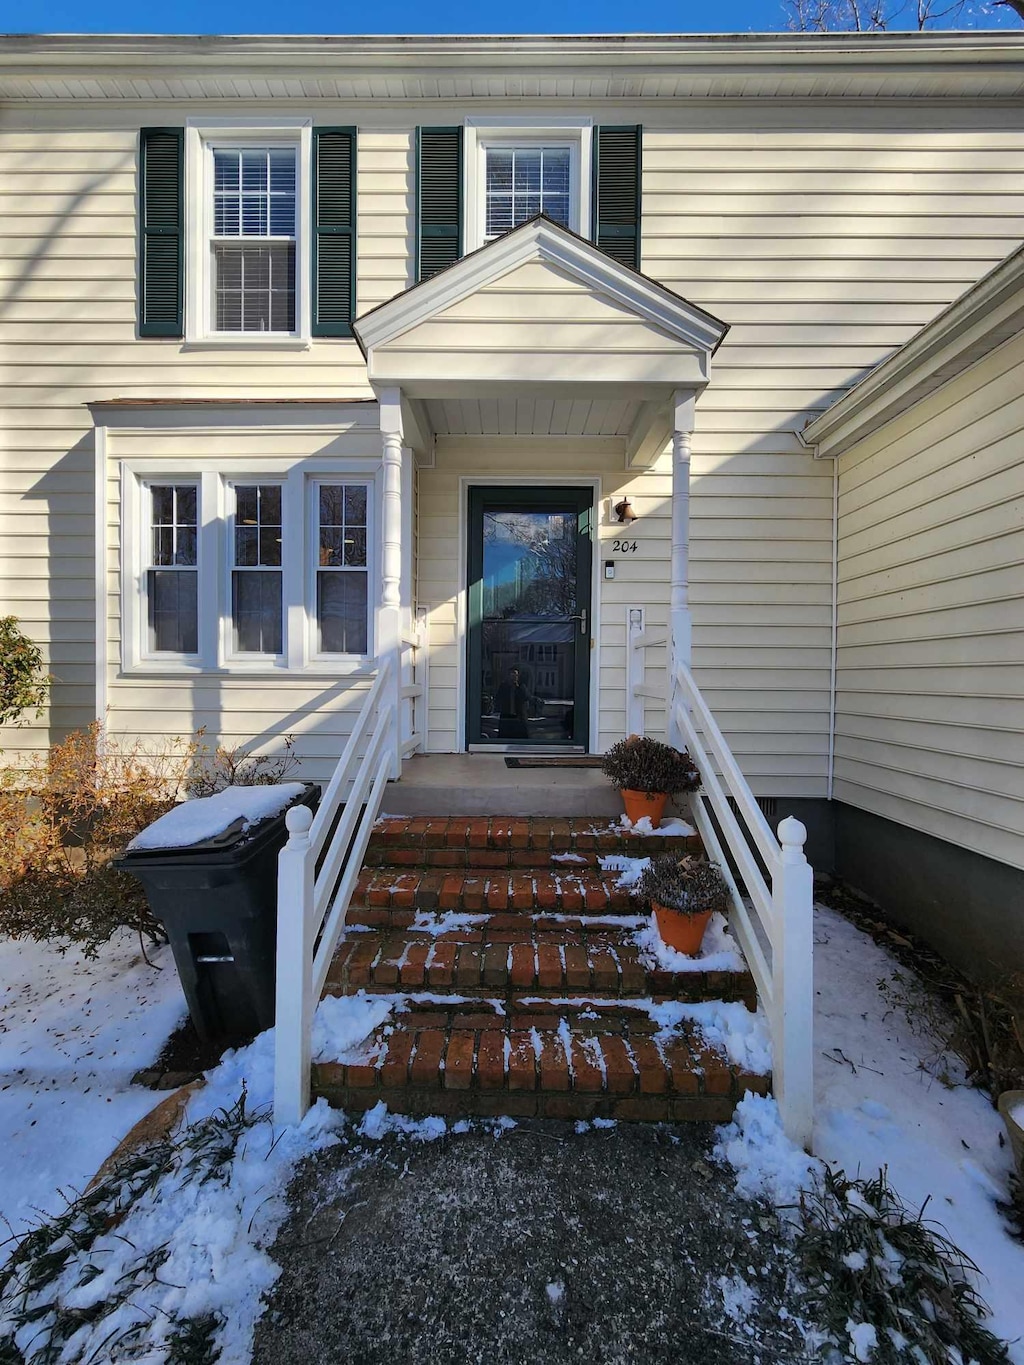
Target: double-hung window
172 569
342 572
253 241
256 569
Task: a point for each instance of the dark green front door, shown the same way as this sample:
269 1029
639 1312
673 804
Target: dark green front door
530 557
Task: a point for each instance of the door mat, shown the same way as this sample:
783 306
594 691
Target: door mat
555 761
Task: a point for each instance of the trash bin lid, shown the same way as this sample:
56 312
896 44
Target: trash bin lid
216 822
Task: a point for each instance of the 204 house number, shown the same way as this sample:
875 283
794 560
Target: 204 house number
624 547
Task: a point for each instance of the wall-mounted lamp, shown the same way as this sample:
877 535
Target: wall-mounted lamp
624 512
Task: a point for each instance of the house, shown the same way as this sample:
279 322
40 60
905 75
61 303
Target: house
506 376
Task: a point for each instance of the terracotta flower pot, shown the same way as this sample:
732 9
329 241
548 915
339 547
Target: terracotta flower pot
639 804
680 931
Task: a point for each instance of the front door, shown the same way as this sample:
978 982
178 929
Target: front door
528 655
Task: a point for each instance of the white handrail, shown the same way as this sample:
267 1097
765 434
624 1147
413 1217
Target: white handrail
773 922
312 903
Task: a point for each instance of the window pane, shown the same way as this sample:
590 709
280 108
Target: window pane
163 506
270 504
355 505
163 544
355 547
173 611
254 170
332 501
185 548
256 611
341 612
185 498
225 169
499 172
254 287
282 172
246 545
525 181
526 178
270 545
246 502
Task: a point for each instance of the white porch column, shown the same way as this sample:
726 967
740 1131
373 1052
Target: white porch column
389 634
680 619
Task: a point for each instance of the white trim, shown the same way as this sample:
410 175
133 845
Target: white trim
201 135
833 655
543 241
298 479
479 133
100 570
467 481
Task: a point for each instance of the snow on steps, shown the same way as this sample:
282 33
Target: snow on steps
533 991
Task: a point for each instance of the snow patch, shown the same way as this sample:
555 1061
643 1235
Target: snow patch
630 869
768 1166
343 1022
863 1339
206 817
739 1299
379 1121
449 922
670 828
555 1291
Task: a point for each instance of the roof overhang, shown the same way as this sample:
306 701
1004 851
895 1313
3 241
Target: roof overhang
987 315
541 314
761 66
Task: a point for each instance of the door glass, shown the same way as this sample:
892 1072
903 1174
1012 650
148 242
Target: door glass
530 625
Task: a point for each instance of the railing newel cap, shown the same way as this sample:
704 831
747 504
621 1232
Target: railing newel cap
298 820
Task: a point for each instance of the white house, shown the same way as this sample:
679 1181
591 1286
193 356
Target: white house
479 371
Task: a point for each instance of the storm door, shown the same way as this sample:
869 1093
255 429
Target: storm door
528 648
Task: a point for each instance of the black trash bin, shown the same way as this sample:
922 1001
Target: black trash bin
217 900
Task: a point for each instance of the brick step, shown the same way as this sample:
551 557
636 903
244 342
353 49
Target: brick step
581 891
493 842
616 1064
490 957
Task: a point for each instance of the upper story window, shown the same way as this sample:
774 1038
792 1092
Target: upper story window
516 169
253 242
522 181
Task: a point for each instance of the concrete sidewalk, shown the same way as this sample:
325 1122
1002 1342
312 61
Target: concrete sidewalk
542 1245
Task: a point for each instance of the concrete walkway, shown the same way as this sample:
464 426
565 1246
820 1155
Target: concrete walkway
542 1245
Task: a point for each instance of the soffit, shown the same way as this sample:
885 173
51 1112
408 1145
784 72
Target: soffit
715 66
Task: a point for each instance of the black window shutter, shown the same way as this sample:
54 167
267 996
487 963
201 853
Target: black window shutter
161 231
438 199
334 231
617 192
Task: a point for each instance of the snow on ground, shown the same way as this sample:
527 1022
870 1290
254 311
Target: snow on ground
672 826
72 1034
878 1102
206 817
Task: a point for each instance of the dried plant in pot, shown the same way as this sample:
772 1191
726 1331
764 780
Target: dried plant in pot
683 893
647 772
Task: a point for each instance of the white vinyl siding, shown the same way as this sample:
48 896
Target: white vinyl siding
930 679
826 235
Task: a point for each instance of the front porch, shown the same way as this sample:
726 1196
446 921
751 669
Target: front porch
482 784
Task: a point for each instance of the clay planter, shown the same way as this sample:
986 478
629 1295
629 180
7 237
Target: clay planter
679 930
1007 1101
639 804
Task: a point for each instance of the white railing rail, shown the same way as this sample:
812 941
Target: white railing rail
774 921
413 729
317 873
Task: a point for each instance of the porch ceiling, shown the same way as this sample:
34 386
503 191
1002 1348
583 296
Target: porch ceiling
540 333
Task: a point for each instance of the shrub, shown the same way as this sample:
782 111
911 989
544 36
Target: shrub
691 885
66 815
23 684
864 1258
642 764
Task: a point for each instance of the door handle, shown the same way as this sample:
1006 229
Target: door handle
583 621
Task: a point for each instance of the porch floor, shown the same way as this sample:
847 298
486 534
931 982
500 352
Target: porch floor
481 784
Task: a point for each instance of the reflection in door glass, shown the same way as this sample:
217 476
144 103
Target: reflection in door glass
530 626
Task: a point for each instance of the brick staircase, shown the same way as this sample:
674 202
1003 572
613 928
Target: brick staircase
519 988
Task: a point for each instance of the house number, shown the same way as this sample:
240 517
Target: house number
626 547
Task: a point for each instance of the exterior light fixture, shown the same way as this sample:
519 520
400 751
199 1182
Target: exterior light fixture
624 512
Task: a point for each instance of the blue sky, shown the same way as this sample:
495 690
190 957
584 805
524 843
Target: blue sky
392 16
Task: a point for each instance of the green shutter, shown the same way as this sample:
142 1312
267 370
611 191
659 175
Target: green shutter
161 231
334 231
617 192
438 199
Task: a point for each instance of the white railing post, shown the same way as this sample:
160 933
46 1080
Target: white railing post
793 979
680 621
389 645
636 668
294 1006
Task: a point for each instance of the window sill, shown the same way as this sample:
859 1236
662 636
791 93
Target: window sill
244 342
339 668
